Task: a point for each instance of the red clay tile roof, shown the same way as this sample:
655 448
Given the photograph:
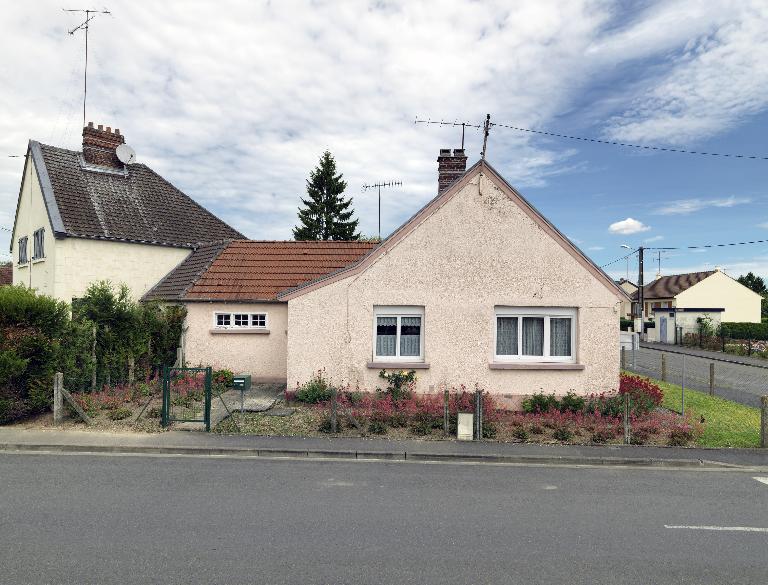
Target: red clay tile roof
6 274
247 270
670 286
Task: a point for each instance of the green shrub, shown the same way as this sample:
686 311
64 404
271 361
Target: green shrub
541 403
354 397
399 383
572 402
317 389
537 429
224 377
680 437
421 427
490 430
377 427
11 366
119 413
563 433
601 435
325 425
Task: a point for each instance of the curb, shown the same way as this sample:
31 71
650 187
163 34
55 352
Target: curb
371 455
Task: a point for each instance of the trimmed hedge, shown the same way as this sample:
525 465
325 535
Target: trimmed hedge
754 331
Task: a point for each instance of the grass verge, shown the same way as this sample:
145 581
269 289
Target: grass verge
726 423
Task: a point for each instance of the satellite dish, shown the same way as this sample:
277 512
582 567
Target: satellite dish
126 154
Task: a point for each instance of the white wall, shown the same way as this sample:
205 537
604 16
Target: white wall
721 291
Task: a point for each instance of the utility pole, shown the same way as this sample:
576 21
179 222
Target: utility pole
89 16
640 292
378 186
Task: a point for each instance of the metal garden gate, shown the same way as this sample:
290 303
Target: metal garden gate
186 396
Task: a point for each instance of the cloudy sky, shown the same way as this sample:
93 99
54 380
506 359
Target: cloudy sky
235 101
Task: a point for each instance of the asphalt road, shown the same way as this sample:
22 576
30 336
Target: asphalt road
127 519
737 382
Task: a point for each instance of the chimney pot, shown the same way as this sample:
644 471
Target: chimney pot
445 152
100 146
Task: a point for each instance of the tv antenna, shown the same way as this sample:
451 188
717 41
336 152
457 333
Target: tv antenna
485 126
378 186
90 14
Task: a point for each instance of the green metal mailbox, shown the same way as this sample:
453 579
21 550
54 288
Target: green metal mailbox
242 382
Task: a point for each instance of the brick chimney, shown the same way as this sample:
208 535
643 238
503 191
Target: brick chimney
99 146
450 166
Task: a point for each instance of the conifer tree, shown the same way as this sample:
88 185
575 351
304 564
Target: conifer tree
326 214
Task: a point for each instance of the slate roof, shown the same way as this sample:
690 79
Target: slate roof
250 270
135 205
670 286
6 274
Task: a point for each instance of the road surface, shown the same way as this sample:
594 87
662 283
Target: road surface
85 519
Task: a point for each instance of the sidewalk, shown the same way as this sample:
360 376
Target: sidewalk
209 444
707 354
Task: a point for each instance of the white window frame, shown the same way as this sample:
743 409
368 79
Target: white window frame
232 325
38 237
546 312
398 311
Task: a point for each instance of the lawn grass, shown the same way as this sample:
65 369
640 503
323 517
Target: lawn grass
726 423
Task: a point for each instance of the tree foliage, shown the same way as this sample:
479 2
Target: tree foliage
753 282
326 214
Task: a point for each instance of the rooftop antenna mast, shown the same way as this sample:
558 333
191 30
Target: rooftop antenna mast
378 186
90 14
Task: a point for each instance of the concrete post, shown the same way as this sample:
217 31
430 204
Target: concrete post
58 398
663 367
712 379
131 370
764 422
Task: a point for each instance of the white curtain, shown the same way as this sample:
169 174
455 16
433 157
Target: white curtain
386 335
533 335
506 336
410 336
559 336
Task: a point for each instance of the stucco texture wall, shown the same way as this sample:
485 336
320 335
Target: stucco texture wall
32 215
80 262
720 291
479 250
259 354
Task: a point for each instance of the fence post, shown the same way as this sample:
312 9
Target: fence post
93 360
663 367
446 414
131 371
712 378
623 358
334 406
764 421
627 438
58 399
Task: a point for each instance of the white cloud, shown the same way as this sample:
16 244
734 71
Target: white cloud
763 225
713 81
653 239
685 206
628 226
596 248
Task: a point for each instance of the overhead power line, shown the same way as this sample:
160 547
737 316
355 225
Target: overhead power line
698 247
596 140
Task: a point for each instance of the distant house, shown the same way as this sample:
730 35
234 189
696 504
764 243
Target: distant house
477 287
628 287
6 274
678 301
86 216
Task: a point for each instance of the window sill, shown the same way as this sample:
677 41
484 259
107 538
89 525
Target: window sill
534 366
24 265
397 365
38 260
217 331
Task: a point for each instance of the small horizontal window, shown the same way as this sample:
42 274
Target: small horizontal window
241 320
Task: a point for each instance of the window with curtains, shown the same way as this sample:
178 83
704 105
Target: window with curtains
23 250
535 334
38 244
399 333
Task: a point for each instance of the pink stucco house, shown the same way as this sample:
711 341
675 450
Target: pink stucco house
477 287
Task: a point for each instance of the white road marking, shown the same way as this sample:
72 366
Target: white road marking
762 479
722 528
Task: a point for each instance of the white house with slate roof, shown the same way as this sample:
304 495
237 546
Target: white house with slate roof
85 216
